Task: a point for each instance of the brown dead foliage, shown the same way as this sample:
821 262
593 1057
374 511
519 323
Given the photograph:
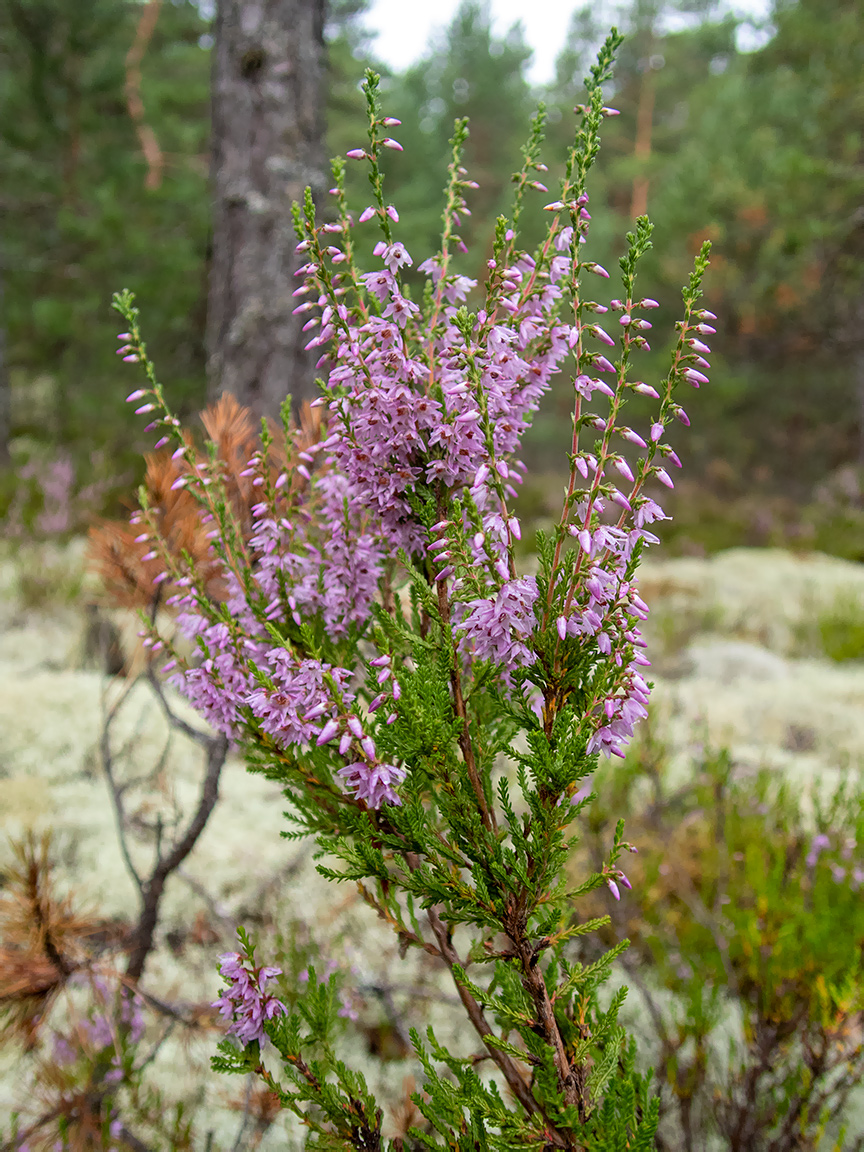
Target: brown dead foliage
44 939
116 555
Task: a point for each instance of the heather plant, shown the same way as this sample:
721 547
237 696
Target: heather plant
433 713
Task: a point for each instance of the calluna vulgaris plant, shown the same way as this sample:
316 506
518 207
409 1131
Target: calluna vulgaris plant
433 714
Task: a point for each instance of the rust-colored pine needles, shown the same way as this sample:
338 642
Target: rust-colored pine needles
128 567
44 939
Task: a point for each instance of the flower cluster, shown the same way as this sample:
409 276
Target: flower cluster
378 647
417 468
245 1004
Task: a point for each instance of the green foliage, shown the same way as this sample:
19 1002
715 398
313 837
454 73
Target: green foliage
79 217
747 927
841 629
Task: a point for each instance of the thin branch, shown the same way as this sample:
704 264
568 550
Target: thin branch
153 888
204 739
508 1066
146 136
247 1104
117 789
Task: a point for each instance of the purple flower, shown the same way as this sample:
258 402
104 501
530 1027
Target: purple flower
498 628
373 782
245 1004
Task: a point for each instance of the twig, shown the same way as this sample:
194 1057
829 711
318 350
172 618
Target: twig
247 1103
153 888
146 136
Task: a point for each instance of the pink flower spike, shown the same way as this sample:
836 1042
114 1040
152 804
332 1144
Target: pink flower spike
561 625
367 214
633 437
330 729
356 154
394 144
664 477
695 378
368 746
624 468
682 416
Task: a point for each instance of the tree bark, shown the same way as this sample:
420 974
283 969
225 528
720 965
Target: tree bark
268 145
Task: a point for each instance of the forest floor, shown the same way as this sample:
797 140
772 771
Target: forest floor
756 650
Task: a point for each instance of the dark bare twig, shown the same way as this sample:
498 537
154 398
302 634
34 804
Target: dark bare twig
152 887
117 790
247 1105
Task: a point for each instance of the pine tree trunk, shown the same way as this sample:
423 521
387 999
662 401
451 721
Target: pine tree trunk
268 145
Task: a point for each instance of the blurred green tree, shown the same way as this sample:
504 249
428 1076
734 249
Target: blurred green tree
469 71
85 207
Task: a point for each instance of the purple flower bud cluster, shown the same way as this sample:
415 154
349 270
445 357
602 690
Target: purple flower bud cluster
430 405
850 870
245 1004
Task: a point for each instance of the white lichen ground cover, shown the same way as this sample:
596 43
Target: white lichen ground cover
735 641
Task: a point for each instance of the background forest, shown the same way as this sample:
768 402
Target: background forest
759 151
743 789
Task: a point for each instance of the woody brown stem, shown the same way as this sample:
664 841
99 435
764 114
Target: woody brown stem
146 136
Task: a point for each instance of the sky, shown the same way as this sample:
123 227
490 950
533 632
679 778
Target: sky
403 27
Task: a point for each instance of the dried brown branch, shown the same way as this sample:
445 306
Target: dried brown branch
134 103
126 566
45 940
